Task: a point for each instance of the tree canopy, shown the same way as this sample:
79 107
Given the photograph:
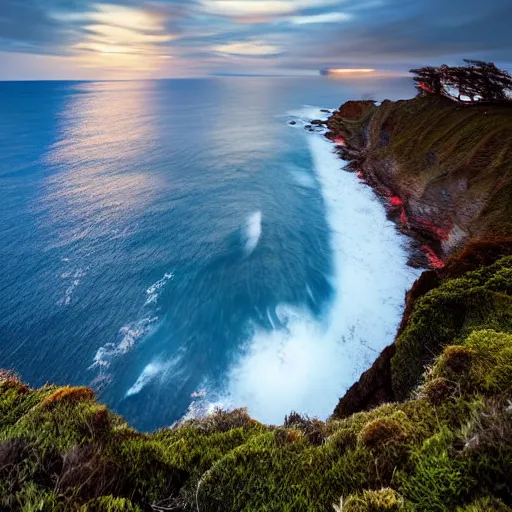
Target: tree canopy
477 80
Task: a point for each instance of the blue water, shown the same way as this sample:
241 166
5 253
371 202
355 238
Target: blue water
177 245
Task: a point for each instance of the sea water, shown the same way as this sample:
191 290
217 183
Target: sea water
180 245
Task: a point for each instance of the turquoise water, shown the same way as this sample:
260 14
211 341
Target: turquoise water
177 245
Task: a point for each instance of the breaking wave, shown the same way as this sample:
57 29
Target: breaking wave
150 372
308 362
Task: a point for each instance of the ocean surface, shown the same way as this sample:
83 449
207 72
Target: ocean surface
179 245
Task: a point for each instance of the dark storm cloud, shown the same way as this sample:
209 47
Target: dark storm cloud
398 31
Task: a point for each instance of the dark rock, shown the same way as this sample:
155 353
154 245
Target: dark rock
318 122
372 389
292 123
325 110
431 158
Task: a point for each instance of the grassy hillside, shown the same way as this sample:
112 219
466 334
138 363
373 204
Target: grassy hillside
446 447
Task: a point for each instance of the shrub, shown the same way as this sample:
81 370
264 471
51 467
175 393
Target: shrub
220 421
382 500
437 390
312 428
491 370
69 395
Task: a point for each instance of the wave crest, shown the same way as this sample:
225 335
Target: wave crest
252 232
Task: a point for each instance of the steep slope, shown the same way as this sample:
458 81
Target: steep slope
444 169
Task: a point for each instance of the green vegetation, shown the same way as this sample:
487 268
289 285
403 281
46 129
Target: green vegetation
446 447
481 299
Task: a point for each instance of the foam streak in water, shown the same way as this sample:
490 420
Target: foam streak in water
150 372
307 365
133 332
252 232
154 290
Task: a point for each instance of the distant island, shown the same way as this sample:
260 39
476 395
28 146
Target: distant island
427 428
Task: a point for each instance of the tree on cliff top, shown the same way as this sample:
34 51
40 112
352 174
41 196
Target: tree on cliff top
492 83
477 80
429 80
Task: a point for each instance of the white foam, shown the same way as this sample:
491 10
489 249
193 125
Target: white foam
131 333
153 291
252 232
75 278
150 372
307 365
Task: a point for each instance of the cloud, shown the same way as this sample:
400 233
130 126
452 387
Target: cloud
123 40
328 17
261 11
31 26
284 34
247 49
410 32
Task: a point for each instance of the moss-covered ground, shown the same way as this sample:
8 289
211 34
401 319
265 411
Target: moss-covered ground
447 446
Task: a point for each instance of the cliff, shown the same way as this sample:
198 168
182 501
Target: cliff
428 428
443 168
444 173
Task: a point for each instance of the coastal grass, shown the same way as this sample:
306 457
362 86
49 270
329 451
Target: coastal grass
481 299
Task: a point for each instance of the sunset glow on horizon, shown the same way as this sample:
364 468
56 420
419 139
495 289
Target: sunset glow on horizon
350 71
151 39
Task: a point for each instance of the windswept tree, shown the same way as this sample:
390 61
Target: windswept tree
493 83
429 80
477 80
463 80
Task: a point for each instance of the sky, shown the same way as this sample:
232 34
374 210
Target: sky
124 39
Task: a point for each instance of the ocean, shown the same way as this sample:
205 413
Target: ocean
180 245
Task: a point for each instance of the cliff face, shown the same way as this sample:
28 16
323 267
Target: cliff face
440 307
444 170
445 175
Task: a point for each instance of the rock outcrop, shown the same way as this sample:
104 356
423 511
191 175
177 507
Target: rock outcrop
444 170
